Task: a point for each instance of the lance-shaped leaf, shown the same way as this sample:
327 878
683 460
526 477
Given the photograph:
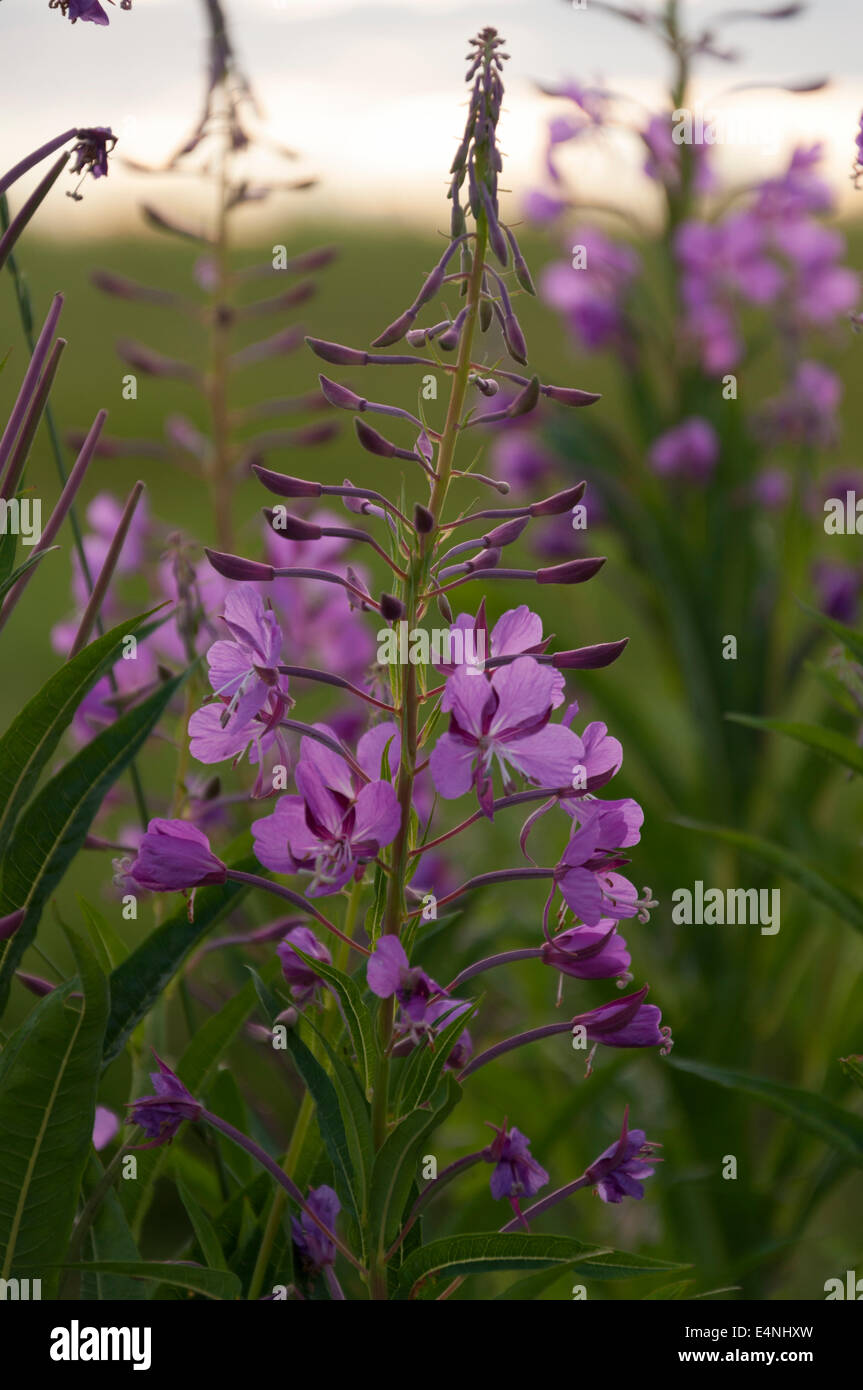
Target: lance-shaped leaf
841 1129
49 1074
819 885
833 745
54 826
212 1283
33 735
356 1015
489 1251
395 1165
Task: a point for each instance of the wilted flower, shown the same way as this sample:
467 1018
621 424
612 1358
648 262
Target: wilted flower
516 1174
316 1250
617 1173
161 1115
300 976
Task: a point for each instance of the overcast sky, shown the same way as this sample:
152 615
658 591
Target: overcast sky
371 93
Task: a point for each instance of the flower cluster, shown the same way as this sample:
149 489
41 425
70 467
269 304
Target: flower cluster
486 720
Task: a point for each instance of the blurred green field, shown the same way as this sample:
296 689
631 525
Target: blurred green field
788 1013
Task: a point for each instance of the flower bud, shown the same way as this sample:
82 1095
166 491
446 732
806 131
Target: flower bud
423 519
525 401
392 608
340 395
373 441
569 395
336 353
486 560
285 486
589 658
396 330
9 925
507 532
572 572
236 567
514 338
559 502
293 528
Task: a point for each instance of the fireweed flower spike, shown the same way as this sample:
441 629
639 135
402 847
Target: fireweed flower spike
360 819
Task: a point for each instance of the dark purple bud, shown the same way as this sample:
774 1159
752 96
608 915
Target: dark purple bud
589 658
293 528
508 532
487 385
573 572
525 401
285 486
449 340
396 330
9 925
496 238
559 502
337 354
569 395
236 567
423 519
519 264
340 395
35 984
486 560
515 340
445 608
372 440
392 608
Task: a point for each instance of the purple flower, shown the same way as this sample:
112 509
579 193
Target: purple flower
300 976
330 829
690 450
516 1174
626 1022
505 718
389 972
517 632
105 1126
174 855
585 874
244 669
617 1173
95 144
90 11
591 295
316 1250
161 1115
589 953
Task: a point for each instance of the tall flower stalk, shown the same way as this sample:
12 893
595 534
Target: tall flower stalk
360 822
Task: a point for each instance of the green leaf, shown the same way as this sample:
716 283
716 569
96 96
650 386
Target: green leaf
670 1292
490 1251
836 746
330 1122
54 826
847 636
137 983
28 564
527 1289
356 1116
359 1019
203 1228
212 1283
815 882
32 737
396 1163
49 1074
107 943
841 1129
110 1239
